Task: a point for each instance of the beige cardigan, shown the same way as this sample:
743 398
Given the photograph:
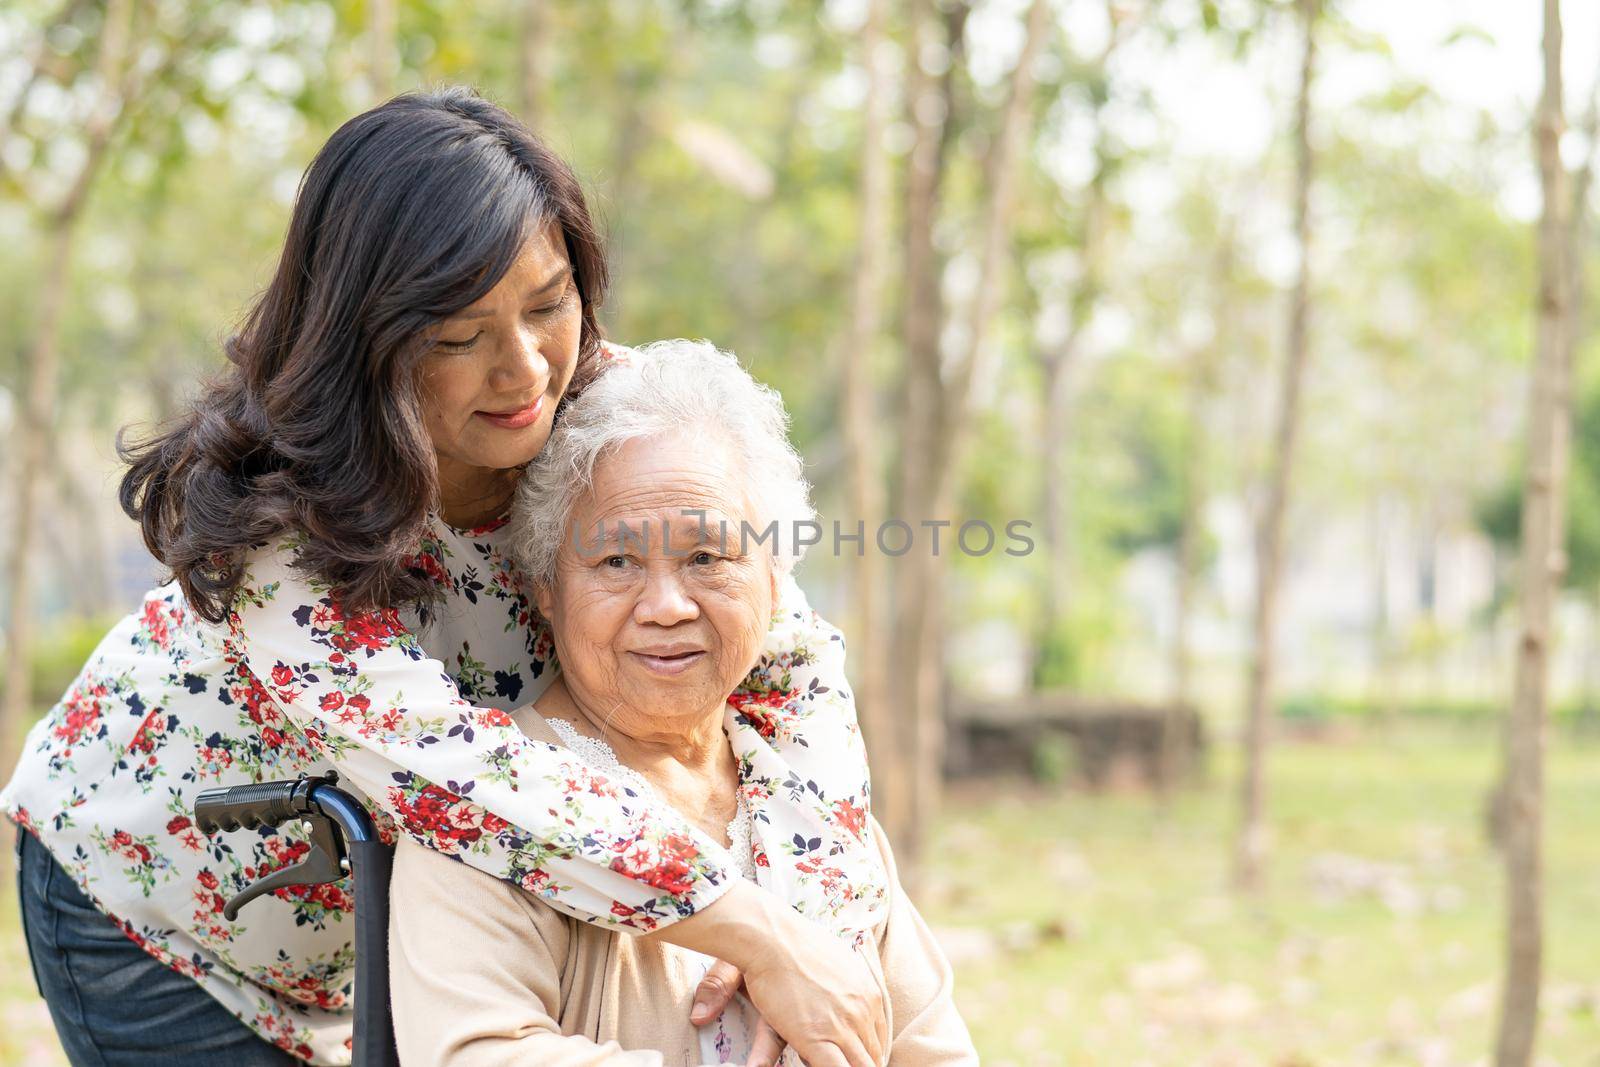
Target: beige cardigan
484 974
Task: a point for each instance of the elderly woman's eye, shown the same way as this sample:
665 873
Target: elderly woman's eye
704 558
615 562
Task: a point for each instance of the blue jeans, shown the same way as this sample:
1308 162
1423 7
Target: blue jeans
112 1003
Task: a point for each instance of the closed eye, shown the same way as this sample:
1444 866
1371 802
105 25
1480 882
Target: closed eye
460 346
551 309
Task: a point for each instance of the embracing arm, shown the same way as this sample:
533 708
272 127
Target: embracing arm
797 724
459 779
465 781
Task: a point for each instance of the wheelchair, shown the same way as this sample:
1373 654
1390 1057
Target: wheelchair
343 842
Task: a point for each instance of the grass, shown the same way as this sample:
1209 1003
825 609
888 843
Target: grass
1108 935
1099 930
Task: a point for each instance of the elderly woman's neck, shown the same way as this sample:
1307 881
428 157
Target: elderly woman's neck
692 741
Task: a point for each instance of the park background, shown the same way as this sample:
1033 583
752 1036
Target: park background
1038 260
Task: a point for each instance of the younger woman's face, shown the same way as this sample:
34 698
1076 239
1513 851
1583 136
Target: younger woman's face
491 384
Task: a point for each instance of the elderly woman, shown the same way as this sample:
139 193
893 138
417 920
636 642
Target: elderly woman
648 528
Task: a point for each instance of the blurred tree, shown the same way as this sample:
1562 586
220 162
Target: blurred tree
383 47
858 386
1252 846
1200 388
532 31
1540 574
116 84
935 51
938 405
1059 360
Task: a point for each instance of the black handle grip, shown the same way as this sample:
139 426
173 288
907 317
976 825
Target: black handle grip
248 806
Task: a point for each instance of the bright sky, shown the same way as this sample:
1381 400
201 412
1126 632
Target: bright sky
1477 54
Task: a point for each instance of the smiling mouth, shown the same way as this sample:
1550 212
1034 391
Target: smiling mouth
668 663
515 420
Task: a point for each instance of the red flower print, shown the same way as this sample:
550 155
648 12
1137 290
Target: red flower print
81 719
332 701
494 717
850 816
668 872
155 623
441 816
144 738
282 675
429 564
763 711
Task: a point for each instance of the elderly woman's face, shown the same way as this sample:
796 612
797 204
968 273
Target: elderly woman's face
650 628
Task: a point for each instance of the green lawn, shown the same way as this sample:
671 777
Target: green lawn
1098 930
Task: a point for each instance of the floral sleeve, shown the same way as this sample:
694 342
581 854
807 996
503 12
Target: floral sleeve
460 779
804 772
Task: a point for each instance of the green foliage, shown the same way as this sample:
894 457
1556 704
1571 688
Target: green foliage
60 651
1421 320
1072 652
1328 708
1499 512
1052 759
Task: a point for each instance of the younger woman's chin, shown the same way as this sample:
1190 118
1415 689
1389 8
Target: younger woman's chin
517 450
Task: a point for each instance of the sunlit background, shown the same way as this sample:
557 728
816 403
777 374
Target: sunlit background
1065 779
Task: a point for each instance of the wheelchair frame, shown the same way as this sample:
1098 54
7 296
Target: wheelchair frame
343 842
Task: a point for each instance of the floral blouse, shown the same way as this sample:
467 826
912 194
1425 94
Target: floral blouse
412 709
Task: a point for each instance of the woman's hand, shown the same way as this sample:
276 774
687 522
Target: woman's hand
711 999
813 989
829 1007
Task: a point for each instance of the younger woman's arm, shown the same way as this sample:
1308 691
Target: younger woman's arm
459 779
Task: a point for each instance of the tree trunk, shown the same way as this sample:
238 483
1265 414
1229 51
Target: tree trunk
1382 683
929 102
1176 739
42 367
1542 566
80 541
931 476
632 136
1060 370
1252 845
859 403
30 434
531 34
383 59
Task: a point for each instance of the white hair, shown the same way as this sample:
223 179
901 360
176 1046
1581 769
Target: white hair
662 388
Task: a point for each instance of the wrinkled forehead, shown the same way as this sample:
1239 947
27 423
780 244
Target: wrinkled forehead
687 485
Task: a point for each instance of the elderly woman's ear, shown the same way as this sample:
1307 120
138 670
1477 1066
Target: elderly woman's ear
544 598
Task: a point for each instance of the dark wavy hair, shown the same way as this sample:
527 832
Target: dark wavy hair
409 213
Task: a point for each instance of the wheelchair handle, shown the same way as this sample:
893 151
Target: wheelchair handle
322 810
250 806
